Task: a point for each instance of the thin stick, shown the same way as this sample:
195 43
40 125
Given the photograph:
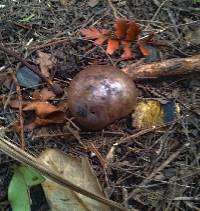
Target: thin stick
20 155
140 133
21 119
48 44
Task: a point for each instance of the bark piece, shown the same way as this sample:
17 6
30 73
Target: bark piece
170 67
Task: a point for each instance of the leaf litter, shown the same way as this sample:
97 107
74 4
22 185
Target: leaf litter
141 154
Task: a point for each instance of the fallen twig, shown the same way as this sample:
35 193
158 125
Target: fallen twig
21 119
170 67
93 149
50 43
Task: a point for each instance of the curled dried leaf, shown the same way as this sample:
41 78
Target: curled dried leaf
39 122
42 109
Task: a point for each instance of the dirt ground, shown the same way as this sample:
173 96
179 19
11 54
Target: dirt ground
155 170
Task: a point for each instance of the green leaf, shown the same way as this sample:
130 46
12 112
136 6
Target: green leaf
18 190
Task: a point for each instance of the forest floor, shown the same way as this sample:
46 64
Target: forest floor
152 170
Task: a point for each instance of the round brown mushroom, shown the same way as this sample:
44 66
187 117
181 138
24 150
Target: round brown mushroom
99 95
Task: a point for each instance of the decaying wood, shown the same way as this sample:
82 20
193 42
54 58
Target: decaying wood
170 67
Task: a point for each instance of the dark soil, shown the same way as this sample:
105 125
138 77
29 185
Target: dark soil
128 178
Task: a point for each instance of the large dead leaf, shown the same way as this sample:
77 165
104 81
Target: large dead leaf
38 122
42 109
46 62
46 114
79 172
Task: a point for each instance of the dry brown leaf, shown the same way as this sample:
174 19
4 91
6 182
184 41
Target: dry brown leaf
42 109
100 36
43 95
38 122
78 171
112 46
93 33
46 62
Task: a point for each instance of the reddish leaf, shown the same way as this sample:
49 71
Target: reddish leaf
142 44
121 28
128 54
93 33
112 46
132 31
38 122
42 109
